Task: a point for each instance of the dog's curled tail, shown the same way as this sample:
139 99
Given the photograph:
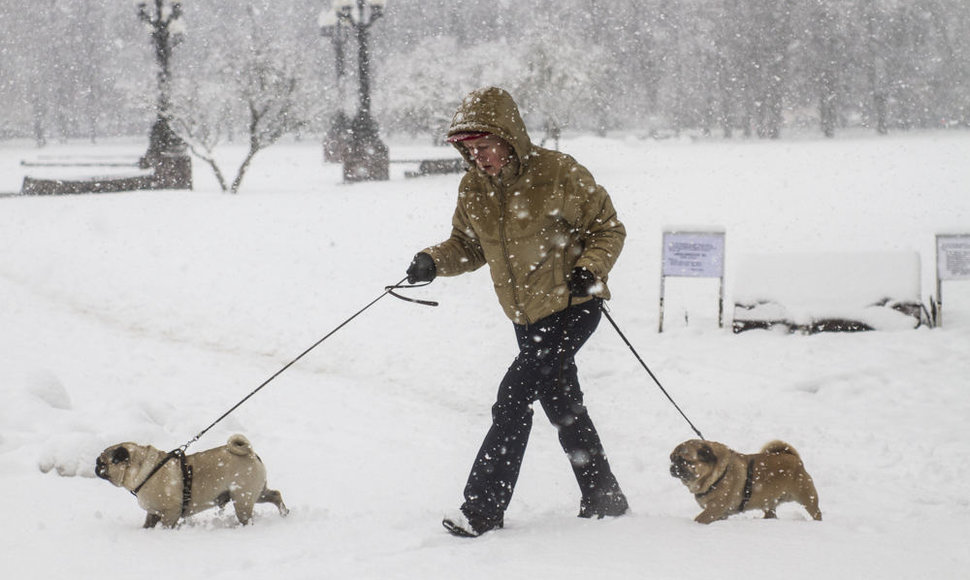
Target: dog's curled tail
239 445
777 446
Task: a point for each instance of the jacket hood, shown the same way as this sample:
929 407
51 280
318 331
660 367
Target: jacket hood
491 110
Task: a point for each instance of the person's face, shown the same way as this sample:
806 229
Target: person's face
490 153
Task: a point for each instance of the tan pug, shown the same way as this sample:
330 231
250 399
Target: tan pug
725 482
232 472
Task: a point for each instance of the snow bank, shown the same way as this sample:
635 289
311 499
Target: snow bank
802 288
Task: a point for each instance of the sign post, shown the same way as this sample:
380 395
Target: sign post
693 253
952 263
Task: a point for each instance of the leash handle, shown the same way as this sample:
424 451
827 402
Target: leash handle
400 285
646 368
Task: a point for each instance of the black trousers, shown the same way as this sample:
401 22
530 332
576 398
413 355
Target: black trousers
544 370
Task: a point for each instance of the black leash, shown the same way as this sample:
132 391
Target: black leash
180 452
649 372
387 290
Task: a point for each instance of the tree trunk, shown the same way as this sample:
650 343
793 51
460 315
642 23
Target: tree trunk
253 150
877 69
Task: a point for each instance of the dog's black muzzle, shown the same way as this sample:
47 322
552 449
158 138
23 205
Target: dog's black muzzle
679 468
101 469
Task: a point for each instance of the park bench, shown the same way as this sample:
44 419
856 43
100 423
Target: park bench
809 293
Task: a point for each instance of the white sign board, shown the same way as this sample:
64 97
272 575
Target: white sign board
693 254
953 257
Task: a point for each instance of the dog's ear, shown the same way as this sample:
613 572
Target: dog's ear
706 454
120 455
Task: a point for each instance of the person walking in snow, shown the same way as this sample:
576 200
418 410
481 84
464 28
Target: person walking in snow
550 236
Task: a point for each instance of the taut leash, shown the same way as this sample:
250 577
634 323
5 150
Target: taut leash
179 453
387 290
646 368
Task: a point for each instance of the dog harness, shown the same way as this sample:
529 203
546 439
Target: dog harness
748 485
186 477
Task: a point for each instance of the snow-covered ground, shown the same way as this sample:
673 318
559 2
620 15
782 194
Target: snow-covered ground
143 316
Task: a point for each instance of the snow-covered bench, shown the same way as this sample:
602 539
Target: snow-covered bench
438 167
827 291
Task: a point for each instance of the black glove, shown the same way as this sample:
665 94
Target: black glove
581 282
422 269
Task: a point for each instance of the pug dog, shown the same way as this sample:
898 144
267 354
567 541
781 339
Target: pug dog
215 477
725 482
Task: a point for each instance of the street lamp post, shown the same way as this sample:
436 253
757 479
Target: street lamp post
367 158
336 144
166 150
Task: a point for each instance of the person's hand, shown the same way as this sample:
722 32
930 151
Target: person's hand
422 269
581 282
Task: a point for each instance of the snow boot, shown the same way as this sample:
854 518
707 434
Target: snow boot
471 526
611 504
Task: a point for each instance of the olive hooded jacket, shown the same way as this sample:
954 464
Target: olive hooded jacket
532 224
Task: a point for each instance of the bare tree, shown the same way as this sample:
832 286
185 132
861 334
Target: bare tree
270 92
200 125
263 89
550 75
771 35
826 45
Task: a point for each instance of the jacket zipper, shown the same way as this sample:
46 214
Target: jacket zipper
505 253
